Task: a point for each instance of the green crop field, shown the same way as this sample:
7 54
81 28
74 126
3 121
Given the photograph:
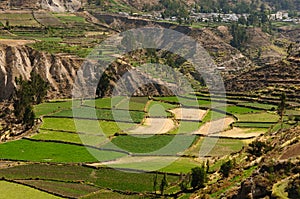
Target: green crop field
51 107
133 103
213 115
239 110
62 188
87 139
106 194
69 18
253 125
181 165
103 114
103 177
85 126
13 190
219 147
259 105
52 152
19 19
159 109
258 117
157 144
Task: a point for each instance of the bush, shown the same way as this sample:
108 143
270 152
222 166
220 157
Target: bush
293 188
257 148
199 177
226 167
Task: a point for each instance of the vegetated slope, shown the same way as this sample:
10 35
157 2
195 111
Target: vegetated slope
271 160
261 47
284 74
283 147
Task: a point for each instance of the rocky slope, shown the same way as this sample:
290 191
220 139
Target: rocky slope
51 5
16 61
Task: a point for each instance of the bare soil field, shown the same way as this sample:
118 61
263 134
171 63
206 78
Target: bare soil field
155 126
189 114
216 126
15 42
243 133
293 151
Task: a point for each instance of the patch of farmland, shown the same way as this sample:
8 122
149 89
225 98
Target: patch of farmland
189 114
104 102
133 103
239 110
47 19
182 165
85 126
16 42
215 126
159 109
154 145
103 177
86 139
102 114
259 105
218 147
51 107
74 190
144 163
13 190
106 194
18 19
243 133
154 126
26 150
253 125
258 117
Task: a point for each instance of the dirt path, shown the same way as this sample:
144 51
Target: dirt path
189 114
155 126
215 126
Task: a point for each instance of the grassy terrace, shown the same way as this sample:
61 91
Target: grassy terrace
35 151
58 142
13 190
103 178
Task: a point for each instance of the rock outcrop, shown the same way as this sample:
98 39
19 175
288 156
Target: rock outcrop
19 61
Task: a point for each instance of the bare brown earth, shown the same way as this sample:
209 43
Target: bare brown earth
215 126
154 126
188 114
14 42
291 152
240 133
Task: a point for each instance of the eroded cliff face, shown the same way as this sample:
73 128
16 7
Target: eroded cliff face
51 5
19 61
60 71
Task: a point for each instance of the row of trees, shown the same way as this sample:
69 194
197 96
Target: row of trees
26 95
195 179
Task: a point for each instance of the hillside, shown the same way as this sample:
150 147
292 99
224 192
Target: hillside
273 171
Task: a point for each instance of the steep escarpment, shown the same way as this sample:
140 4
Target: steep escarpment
19 61
60 71
51 5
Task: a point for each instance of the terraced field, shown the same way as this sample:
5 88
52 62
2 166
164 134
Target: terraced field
123 135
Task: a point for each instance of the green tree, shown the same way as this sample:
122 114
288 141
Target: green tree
199 177
226 168
155 182
239 35
26 95
163 184
281 107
